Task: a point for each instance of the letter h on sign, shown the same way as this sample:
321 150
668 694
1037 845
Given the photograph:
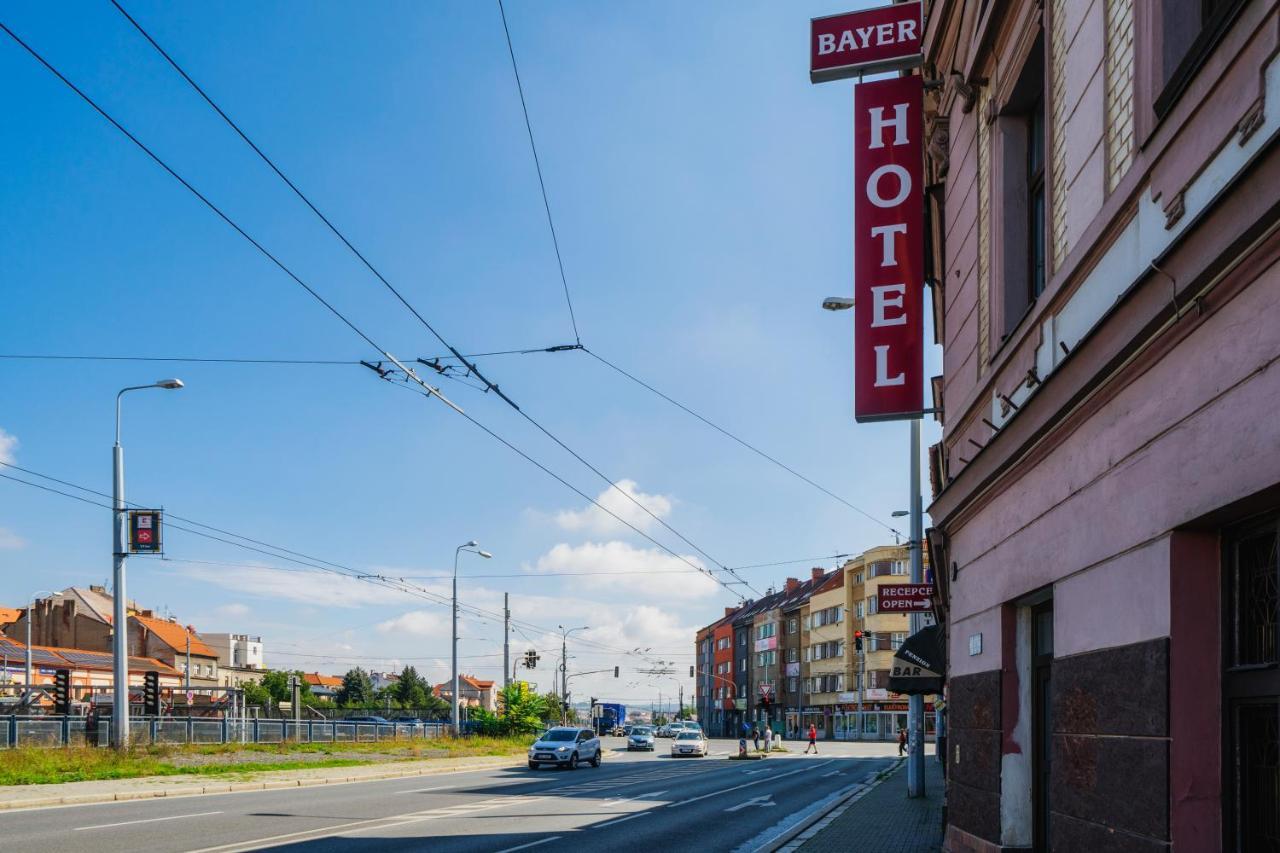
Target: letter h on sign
888 249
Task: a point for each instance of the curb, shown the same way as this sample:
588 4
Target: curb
848 799
237 787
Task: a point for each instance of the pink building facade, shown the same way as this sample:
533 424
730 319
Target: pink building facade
1104 208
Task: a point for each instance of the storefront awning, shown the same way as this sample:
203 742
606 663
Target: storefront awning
918 666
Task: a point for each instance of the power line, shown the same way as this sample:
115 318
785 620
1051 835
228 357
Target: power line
741 441
538 165
209 204
300 361
316 563
471 368
427 389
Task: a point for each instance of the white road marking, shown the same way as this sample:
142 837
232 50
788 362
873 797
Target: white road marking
145 820
423 790
747 784
833 773
762 800
530 844
754 772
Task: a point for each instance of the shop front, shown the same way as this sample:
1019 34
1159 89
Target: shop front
879 721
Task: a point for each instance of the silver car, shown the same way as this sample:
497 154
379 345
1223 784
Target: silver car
688 742
565 746
641 738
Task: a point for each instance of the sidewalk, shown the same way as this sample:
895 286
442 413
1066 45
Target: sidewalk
147 787
883 820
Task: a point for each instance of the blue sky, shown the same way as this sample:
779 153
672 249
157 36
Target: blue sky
702 195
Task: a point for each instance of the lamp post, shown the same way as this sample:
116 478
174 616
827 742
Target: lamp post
564 663
30 611
120 612
471 547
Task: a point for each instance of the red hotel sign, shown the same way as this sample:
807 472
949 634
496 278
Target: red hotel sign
888 249
905 598
855 43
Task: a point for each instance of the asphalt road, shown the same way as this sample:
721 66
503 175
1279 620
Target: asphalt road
639 801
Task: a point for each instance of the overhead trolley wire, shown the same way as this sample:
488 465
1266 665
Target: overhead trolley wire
740 441
546 203
472 369
292 556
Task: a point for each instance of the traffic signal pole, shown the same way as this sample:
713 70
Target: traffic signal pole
506 642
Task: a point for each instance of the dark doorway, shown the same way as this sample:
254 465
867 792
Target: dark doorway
1041 719
1251 682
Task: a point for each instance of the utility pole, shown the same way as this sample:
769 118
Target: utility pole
564 682
915 706
187 686
506 641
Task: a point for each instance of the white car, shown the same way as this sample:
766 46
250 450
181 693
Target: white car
689 743
565 746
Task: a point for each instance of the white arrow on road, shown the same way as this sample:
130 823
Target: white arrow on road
763 800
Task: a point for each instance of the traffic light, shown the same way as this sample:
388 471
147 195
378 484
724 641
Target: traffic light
691 672
530 659
857 640
62 691
615 672
151 694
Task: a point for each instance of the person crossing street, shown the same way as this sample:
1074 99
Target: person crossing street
813 740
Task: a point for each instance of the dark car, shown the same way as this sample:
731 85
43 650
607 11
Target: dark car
368 719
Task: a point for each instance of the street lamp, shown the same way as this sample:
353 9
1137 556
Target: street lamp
120 617
837 303
35 596
473 547
564 664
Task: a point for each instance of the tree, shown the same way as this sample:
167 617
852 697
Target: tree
551 713
522 711
276 683
410 690
356 690
256 694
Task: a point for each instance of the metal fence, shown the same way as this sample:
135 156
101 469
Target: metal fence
20 730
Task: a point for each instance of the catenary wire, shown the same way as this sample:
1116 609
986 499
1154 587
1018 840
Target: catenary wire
428 390
472 369
213 360
740 441
316 563
542 184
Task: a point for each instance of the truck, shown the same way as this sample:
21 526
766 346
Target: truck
610 715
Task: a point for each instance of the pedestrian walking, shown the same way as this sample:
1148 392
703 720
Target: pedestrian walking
755 737
813 740
768 738
902 742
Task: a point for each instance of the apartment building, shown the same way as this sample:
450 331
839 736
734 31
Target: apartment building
883 714
825 653
1105 268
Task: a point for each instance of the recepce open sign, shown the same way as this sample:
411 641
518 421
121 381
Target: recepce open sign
144 531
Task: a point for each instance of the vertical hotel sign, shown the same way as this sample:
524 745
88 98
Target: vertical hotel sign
888 171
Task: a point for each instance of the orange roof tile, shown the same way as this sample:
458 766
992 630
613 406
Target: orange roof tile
10 614
175 635
475 682
315 679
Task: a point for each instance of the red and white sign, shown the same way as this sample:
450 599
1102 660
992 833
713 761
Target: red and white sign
888 249
905 598
766 689
854 43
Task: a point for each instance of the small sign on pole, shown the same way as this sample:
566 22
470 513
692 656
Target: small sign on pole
905 598
145 531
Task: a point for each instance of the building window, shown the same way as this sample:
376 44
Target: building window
792 626
1189 30
872 606
742 665
1035 199
793 655
861 610
791 685
898 638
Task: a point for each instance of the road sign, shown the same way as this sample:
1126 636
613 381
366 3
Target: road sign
144 531
905 598
856 43
765 688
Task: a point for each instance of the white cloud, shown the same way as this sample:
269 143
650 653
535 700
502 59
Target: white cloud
593 520
10 541
8 444
235 610
417 623
315 588
619 566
